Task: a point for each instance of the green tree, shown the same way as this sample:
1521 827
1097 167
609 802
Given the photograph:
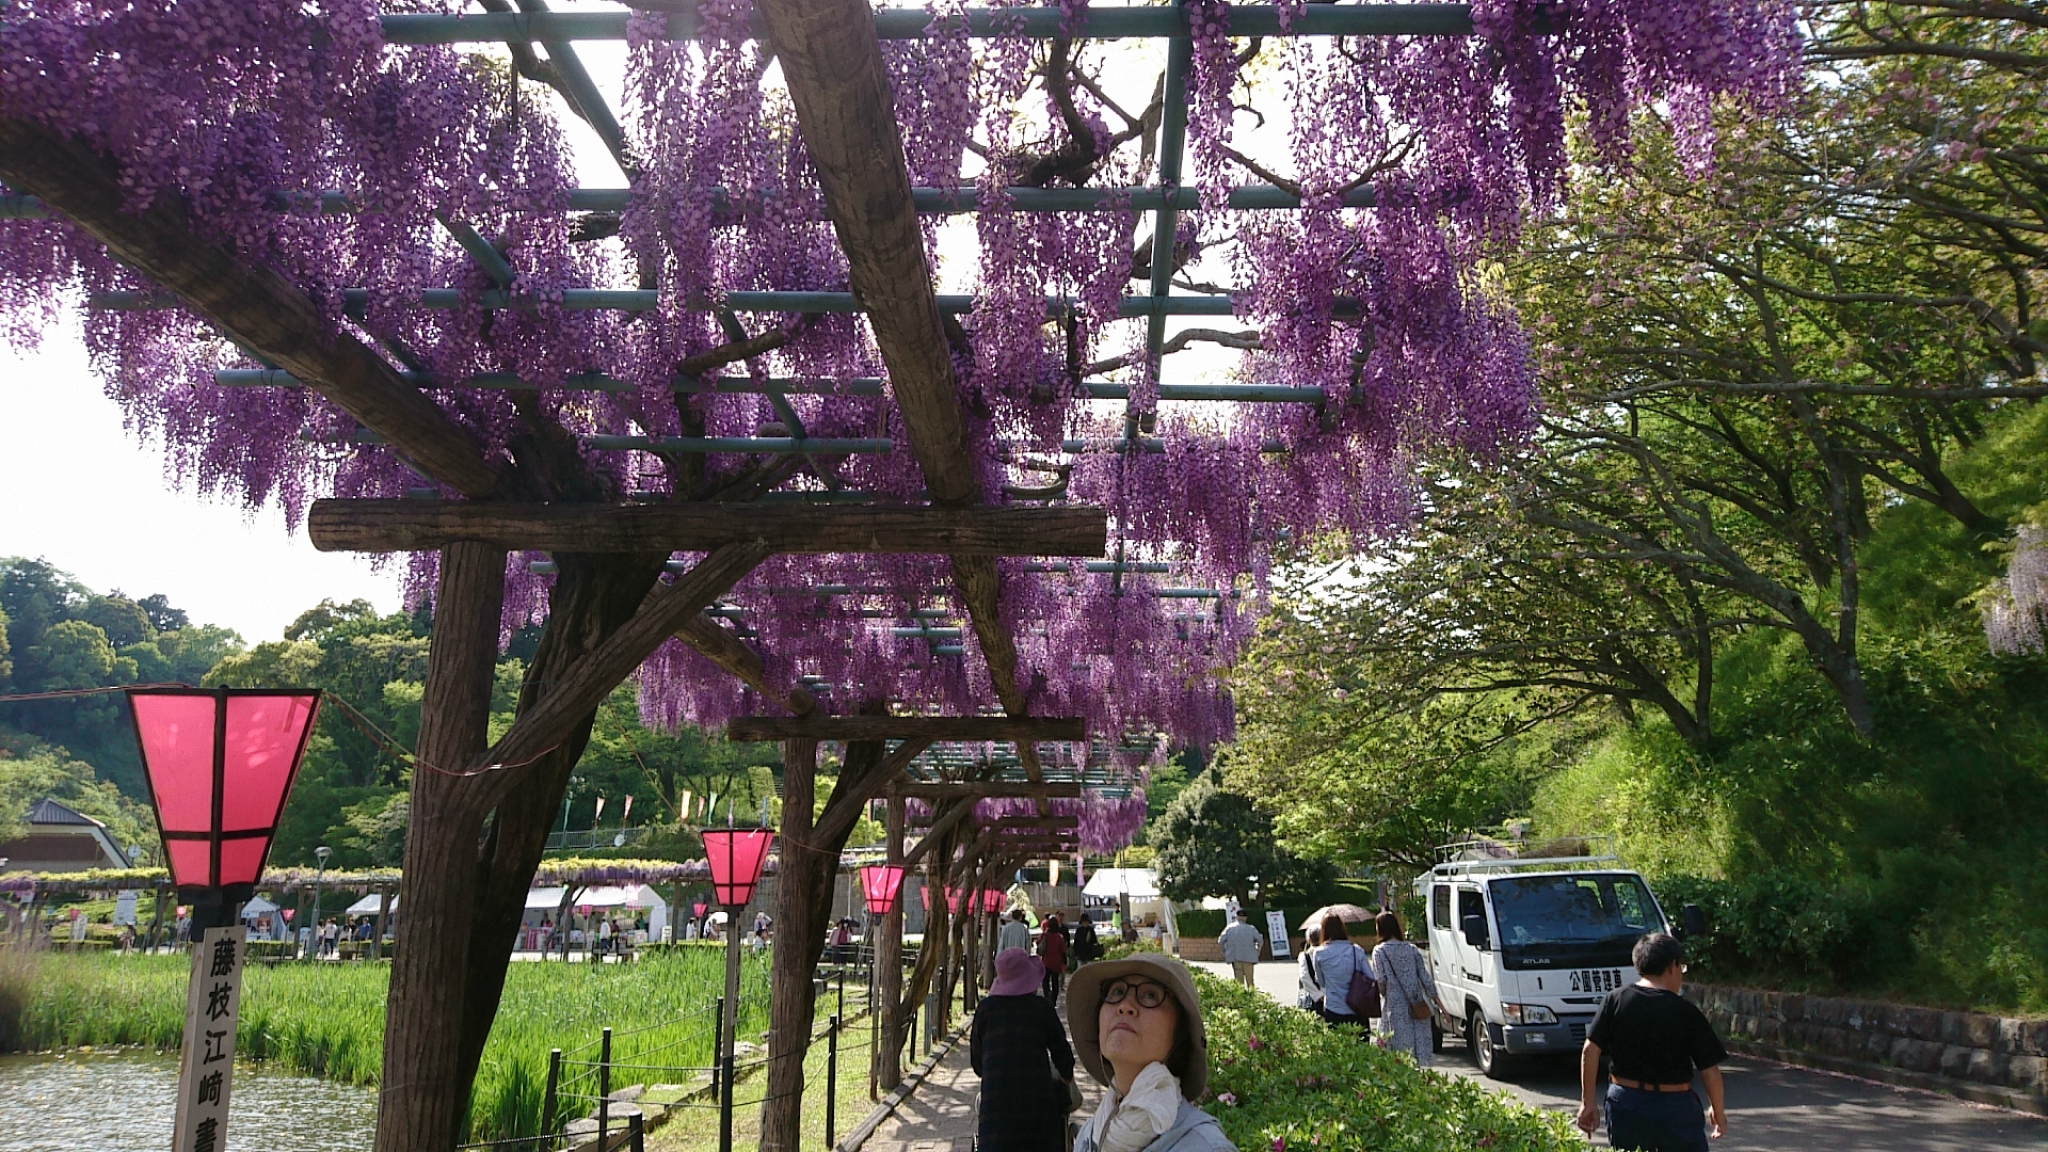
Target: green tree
1213 843
6 655
34 595
74 654
123 620
162 616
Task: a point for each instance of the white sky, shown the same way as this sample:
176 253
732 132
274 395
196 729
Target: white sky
78 490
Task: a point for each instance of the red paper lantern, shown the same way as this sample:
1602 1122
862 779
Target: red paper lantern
737 857
220 762
993 899
881 885
698 910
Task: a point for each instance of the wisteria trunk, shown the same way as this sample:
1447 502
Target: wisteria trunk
425 1095
803 911
475 840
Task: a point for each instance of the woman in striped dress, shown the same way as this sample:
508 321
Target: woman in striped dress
1404 980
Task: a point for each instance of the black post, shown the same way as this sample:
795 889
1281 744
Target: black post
604 1089
725 1108
636 1133
831 1080
718 1051
842 988
548 1102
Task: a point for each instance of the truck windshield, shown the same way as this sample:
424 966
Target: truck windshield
1580 918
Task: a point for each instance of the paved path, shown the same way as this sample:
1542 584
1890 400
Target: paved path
939 1116
1772 1106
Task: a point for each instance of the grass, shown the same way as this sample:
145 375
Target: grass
328 1019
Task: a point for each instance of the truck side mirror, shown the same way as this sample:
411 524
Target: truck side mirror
1694 920
1475 929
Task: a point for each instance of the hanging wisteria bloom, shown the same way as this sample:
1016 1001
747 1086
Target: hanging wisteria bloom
375 178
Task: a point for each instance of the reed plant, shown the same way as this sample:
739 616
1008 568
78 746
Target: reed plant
327 1019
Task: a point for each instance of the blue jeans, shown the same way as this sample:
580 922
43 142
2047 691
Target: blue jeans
1655 1121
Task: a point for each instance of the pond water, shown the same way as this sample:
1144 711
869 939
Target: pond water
124 1102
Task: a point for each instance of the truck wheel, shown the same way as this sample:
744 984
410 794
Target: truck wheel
1494 1063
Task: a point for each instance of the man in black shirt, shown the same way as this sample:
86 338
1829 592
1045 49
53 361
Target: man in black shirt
1654 1038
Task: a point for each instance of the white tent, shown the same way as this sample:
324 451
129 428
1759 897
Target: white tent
369 905
600 896
257 906
1109 883
607 896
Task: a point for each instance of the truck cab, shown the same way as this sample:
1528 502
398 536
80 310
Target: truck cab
1525 949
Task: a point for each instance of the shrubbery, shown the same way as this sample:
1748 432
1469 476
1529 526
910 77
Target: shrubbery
1281 1079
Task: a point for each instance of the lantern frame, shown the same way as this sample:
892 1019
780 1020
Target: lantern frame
882 900
213 891
725 882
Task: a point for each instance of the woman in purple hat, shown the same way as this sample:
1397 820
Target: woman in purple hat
1020 1051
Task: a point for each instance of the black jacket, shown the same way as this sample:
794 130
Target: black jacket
1017 1045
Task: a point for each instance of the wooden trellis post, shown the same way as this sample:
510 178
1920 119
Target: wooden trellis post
886 1021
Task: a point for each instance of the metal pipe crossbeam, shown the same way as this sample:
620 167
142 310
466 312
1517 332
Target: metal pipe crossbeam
646 300
929 201
912 23
580 88
787 386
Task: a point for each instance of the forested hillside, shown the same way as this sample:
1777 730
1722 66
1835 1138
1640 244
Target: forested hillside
351 793
1762 598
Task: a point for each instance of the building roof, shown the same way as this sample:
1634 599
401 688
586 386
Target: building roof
47 811
60 838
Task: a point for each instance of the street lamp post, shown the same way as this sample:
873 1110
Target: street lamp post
737 857
319 873
219 763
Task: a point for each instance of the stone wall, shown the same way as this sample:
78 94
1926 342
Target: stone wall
2004 1056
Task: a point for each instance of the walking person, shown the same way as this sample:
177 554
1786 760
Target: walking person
1020 1051
1654 1038
1015 933
1138 1030
1408 990
1241 943
1336 965
1087 946
1052 949
1311 995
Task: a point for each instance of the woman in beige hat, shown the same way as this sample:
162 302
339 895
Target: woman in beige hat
1138 1030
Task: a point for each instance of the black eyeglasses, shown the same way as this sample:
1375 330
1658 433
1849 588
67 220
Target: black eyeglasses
1149 995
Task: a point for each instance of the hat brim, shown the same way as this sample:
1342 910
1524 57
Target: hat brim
1084 1005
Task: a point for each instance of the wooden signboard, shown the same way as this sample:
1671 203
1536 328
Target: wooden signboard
206 1070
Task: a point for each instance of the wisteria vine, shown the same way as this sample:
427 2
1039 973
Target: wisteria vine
244 111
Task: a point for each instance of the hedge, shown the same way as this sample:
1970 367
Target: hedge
1281 1079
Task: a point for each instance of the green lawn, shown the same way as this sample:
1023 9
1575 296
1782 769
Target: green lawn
328 1019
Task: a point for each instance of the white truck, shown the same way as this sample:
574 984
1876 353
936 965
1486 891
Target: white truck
1524 948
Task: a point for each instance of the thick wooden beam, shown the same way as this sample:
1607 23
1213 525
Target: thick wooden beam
1030 823
585 684
944 821
832 62
716 643
983 789
971 729
250 302
899 761
414 525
